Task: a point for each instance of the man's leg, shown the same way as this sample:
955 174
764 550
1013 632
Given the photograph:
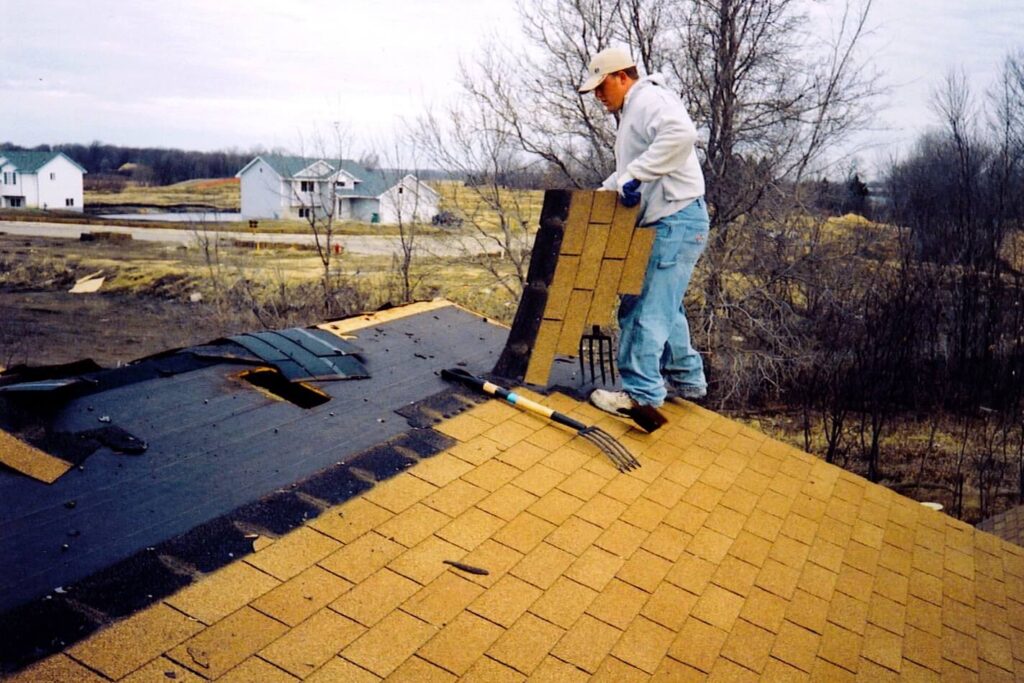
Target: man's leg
646 320
681 364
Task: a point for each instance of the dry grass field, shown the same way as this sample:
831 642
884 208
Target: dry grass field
474 205
218 193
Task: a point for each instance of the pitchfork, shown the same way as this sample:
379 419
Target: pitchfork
616 452
603 342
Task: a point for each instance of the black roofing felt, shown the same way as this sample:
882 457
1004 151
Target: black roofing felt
221 456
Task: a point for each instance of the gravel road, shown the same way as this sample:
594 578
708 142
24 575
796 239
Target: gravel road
370 245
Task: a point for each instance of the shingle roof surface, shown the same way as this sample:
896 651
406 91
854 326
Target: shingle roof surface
1008 525
728 555
30 162
373 183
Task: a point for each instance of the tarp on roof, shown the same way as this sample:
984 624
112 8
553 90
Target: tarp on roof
301 354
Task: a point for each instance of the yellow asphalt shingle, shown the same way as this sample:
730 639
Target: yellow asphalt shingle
218 648
506 601
376 597
223 592
387 645
487 670
120 649
523 646
256 669
455 498
362 557
618 604
461 643
57 669
349 522
543 565
574 536
305 648
293 553
524 532
299 597
425 561
563 603
339 669
507 502
442 599
413 525
416 669
160 670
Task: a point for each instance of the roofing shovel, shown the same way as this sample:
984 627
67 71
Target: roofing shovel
616 452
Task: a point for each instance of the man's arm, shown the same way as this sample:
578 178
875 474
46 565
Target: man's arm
672 136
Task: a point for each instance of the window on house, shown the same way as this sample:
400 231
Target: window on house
307 186
14 178
16 202
401 189
304 212
53 176
5 177
341 183
69 201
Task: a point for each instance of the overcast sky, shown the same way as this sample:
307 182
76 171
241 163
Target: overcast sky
215 74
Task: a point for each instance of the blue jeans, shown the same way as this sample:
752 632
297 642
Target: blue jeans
654 341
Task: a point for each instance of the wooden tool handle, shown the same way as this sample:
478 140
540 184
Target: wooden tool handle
460 375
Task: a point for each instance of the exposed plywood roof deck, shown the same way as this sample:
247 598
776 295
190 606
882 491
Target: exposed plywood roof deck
726 556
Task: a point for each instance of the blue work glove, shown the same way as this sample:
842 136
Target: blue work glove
629 192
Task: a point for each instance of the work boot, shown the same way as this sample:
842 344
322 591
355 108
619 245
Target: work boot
622 404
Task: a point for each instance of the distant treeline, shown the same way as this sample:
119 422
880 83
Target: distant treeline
151 164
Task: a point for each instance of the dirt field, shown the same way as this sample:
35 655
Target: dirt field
45 327
144 305
142 309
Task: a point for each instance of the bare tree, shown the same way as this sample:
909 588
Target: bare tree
317 189
407 202
773 98
475 144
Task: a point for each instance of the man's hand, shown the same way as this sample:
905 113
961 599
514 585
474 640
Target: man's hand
629 190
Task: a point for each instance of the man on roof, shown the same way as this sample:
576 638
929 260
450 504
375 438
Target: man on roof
657 167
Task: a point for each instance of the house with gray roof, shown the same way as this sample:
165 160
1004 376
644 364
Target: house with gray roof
40 180
281 187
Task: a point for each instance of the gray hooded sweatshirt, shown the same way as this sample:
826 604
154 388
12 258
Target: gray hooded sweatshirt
654 144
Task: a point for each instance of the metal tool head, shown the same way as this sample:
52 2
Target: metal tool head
597 344
616 452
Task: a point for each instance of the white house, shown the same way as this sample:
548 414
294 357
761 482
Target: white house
278 186
40 180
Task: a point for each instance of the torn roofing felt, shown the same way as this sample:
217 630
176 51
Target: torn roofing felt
217 444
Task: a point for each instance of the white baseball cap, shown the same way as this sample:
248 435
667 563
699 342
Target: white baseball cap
605 62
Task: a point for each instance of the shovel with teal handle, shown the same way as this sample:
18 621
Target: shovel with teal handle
616 452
